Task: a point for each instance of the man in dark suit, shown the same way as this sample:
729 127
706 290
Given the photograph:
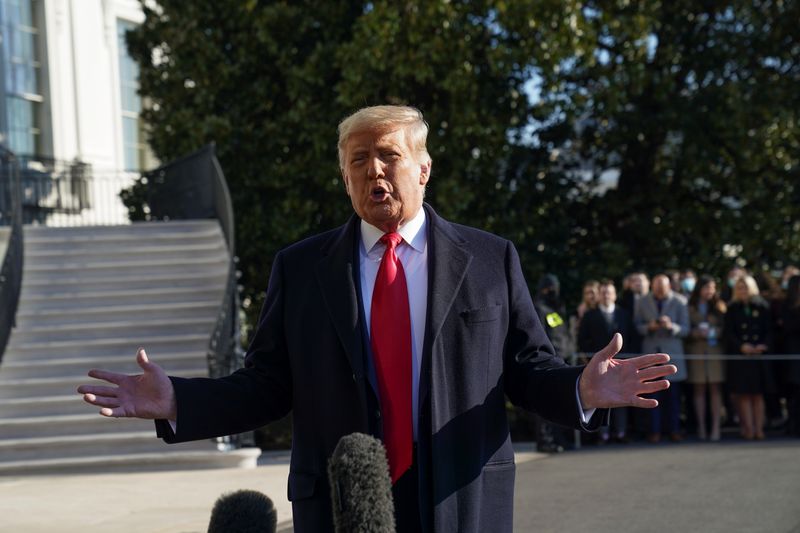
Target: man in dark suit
458 338
598 327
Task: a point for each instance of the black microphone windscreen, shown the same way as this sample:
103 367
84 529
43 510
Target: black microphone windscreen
361 490
243 511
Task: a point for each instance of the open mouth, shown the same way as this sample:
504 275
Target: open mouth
379 194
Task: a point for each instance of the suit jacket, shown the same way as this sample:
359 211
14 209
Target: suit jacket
595 331
483 342
662 340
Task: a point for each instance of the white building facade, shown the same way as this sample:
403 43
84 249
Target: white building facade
71 106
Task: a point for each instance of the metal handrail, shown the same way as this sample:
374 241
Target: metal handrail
11 270
194 187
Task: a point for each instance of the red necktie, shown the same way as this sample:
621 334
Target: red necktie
390 328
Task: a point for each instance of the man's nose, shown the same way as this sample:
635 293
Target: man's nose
375 168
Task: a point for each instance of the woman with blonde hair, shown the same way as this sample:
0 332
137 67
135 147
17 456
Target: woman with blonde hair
748 332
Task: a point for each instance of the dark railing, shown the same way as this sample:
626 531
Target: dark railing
194 187
71 193
11 243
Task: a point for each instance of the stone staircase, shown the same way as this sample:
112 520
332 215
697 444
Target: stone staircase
90 297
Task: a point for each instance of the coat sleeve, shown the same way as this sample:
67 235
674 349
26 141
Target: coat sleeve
535 378
247 399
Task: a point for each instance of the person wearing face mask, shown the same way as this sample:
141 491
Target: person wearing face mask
730 280
688 281
553 316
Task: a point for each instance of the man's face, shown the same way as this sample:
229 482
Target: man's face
639 284
661 287
384 178
608 295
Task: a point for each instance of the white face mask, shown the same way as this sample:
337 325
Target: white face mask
687 284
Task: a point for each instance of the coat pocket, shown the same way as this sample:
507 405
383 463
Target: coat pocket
481 314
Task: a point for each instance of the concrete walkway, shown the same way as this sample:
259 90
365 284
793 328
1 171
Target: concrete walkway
156 502
731 486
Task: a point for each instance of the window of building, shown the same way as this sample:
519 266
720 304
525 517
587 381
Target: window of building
21 73
134 147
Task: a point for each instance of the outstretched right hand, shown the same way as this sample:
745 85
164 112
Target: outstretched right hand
148 395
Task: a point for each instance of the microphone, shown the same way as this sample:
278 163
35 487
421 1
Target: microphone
243 511
361 490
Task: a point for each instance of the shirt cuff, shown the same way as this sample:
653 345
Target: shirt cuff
586 414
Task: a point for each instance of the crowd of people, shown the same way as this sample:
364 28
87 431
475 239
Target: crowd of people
723 338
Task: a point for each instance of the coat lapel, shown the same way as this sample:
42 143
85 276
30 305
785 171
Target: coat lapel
336 274
448 261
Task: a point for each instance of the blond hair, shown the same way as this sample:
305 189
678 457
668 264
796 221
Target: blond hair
386 118
752 288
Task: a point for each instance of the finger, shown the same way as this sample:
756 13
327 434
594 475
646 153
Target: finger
142 359
612 349
98 390
653 386
656 372
112 377
115 412
644 403
101 401
644 361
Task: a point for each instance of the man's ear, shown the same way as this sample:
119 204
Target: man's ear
425 172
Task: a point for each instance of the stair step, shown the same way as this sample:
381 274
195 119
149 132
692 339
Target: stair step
195 263
209 286
94 445
134 231
144 280
108 253
72 242
90 422
97 347
189 460
165 311
103 330
173 363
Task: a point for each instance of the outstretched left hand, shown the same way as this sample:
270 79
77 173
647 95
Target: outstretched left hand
609 382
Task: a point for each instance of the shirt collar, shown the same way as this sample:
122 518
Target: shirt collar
413 232
607 309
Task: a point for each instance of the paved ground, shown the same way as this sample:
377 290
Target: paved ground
733 486
156 502
728 487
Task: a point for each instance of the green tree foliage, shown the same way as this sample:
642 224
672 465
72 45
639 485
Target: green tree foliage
694 105
531 103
